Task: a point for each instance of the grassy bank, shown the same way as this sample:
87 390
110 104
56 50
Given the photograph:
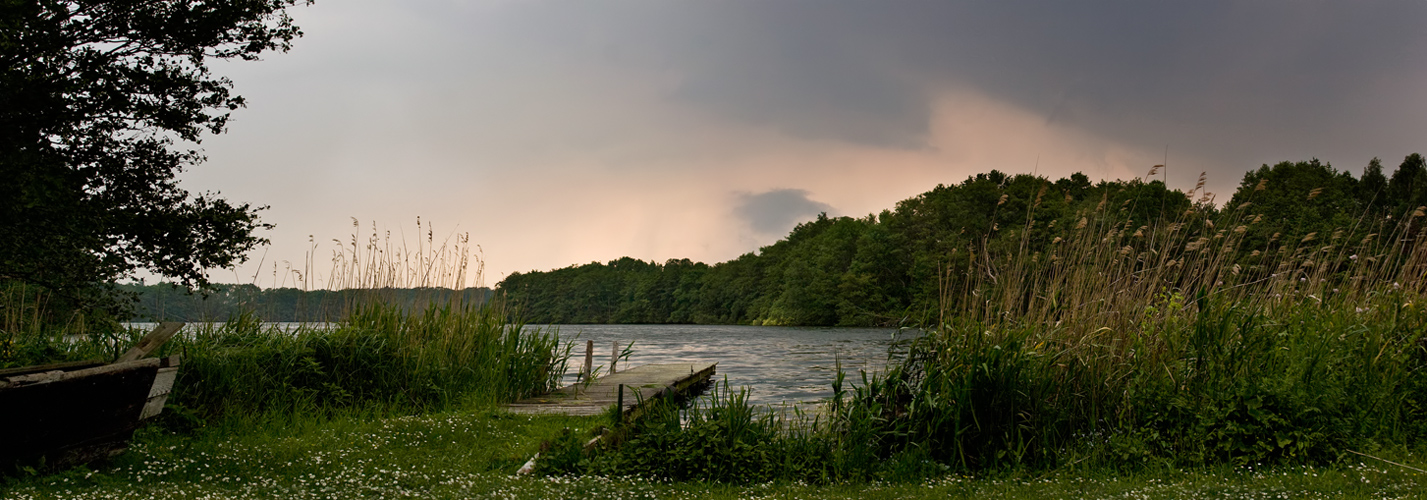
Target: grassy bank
1125 347
472 453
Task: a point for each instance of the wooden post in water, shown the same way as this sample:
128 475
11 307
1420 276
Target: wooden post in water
589 360
620 402
614 358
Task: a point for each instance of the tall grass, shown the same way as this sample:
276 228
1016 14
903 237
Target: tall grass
1121 344
1170 341
381 355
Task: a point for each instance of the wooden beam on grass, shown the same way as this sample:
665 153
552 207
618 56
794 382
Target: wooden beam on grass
152 341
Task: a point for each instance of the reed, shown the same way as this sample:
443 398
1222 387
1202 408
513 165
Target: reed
436 352
379 355
1117 344
1177 341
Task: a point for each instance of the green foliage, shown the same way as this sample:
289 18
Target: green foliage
381 357
170 302
877 270
894 268
93 99
1190 341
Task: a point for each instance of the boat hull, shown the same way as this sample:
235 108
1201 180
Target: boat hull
61 418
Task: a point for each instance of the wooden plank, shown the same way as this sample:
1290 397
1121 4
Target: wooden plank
152 341
73 417
642 383
67 365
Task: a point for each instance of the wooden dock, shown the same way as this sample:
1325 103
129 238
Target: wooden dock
648 382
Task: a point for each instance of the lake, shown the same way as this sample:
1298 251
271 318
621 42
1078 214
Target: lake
778 364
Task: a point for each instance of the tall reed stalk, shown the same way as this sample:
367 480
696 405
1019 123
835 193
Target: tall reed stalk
379 355
1167 340
1120 344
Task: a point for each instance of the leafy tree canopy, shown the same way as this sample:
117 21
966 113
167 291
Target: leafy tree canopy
102 103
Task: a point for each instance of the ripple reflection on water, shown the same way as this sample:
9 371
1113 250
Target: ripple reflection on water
777 364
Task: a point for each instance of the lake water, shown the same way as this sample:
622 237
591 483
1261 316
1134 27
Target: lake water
778 364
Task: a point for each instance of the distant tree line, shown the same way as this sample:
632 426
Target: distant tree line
888 268
168 302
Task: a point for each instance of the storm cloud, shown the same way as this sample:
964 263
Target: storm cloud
560 132
777 211
1232 75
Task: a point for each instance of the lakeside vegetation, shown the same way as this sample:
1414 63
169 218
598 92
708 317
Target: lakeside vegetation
168 302
473 453
1170 353
1203 338
884 269
1083 339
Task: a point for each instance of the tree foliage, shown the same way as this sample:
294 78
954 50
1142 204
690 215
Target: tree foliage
102 103
889 268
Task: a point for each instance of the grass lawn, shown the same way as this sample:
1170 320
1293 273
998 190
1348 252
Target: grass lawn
474 453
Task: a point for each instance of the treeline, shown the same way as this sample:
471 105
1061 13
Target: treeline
891 268
167 302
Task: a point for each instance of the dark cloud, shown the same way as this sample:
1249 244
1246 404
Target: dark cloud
776 212
1231 79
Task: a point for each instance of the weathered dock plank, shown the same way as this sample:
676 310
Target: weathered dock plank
647 382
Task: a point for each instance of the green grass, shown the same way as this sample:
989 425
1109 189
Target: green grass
1127 362
473 453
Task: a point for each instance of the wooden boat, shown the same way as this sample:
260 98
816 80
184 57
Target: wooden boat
66 414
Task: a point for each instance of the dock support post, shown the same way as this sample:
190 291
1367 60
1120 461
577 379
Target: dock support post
589 360
620 402
614 358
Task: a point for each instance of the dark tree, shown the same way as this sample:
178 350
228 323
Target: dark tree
102 102
1408 187
1372 187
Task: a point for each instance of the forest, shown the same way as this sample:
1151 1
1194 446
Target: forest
168 302
890 269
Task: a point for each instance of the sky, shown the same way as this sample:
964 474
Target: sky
562 133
